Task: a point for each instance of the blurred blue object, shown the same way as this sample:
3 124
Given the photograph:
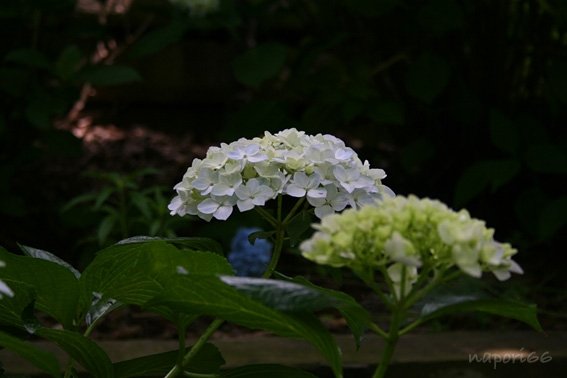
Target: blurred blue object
249 260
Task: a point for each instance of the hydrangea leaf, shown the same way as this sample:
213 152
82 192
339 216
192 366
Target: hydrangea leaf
82 349
211 296
193 243
355 315
11 308
41 254
502 307
207 361
260 235
55 286
130 272
38 357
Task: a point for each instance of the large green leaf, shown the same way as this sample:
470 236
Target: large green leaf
194 243
207 361
82 349
266 370
40 358
356 316
210 295
44 255
259 63
502 307
11 308
130 272
55 286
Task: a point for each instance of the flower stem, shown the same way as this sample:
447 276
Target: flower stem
177 369
391 341
181 336
267 216
289 216
278 246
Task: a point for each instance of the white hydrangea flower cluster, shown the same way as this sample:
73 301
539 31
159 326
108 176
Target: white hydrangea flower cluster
248 173
409 233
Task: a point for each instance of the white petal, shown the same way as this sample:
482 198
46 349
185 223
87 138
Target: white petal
223 212
316 202
348 187
472 270
343 154
242 192
245 205
300 179
235 155
175 203
222 190
340 173
265 192
201 183
295 191
515 268
323 211
340 202
317 193
252 149
206 217
502 274
257 158
208 206
387 191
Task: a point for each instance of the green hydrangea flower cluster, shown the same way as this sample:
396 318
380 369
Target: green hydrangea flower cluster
410 233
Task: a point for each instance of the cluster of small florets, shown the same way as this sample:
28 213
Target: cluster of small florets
4 289
408 233
249 260
248 173
198 7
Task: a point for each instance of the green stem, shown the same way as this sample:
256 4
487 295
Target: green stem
176 370
181 336
391 342
378 330
267 216
380 294
68 369
280 233
389 283
289 216
414 297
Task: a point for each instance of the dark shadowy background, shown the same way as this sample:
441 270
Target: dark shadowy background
104 104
